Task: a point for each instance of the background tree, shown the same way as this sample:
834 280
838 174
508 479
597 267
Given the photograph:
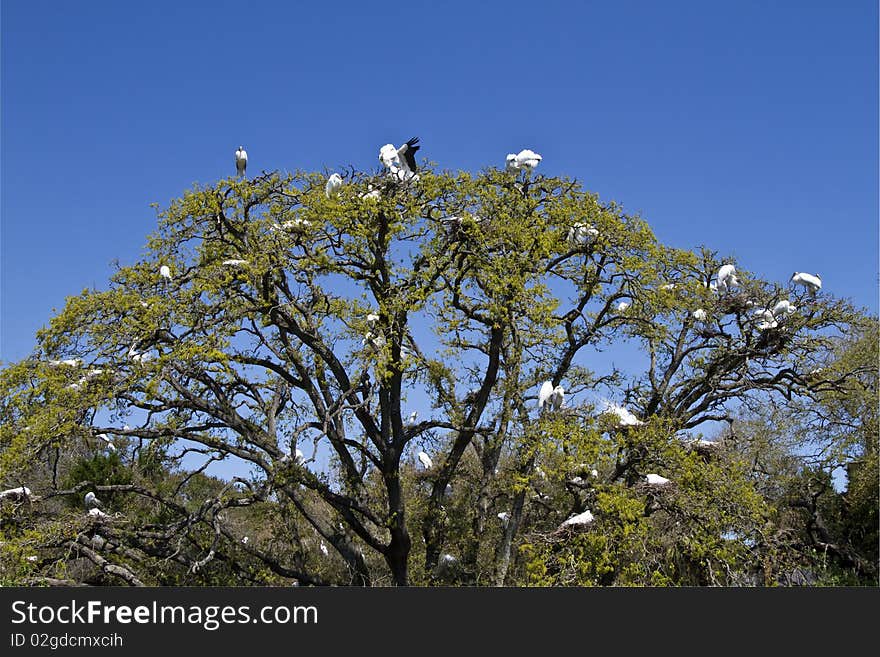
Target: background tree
294 329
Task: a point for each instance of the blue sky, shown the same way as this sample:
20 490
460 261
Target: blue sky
750 127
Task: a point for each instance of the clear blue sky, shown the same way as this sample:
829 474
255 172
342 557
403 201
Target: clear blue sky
750 127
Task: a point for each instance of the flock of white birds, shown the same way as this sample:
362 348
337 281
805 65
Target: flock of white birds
401 163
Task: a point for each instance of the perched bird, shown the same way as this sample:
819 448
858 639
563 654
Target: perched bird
557 398
240 161
108 440
625 417
371 194
594 473
783 308
300 457
766 320
622 306
412 417
809 281
426 461
21 493
526 158
245 540
700 315
324 549
70 362
235 262
656 480
726 278
544 394
92 501
334 183
165 272
584 518
97 513
400 160
372 318
504 517
582 233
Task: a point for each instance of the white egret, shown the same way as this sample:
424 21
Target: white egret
700 315
21 493
334 184
245 540
108 440
625 417
557 398
165 272
240 161
584 518
727 278
426 461
371 194
300 457
582 233
372 318
765 318
92 500
526 158
656 480
412 418
324 549
97 513
504 517
235 262
70 362
622 306
545 393
783 308
377 341
809 281
594 473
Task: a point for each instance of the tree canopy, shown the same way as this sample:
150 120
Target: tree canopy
317 341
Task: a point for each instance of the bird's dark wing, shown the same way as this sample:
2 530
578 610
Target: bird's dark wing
408 151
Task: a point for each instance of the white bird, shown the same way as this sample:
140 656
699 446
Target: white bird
625 417
582 233
448 560
557 398
372 318
70 362
377 341
656 480
235 261
92 500
727 278
165 272
426 461
545 393
324 549
245 540
622 306
108 440
371 194
334 183
97 513
812 283
766 319
300 457
20 493
700 315
412 417
668 286
783 308
594 473
400 160
240 161
526 158
584 518
504 517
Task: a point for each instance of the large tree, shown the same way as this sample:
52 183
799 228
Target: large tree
294 332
